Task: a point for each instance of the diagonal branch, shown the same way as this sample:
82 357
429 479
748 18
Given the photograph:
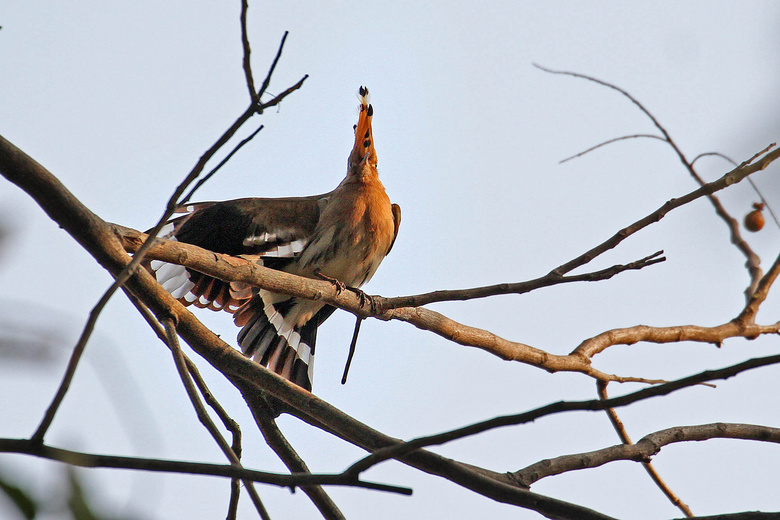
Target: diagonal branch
227 421
620 429
734 176
122 276
278 443
645 448
181 366
547 280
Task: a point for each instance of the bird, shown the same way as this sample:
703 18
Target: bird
341 236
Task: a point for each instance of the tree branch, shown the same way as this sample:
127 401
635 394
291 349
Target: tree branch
278 443
620 429
91 460
180 361
645 448
753 261
225 267
401 449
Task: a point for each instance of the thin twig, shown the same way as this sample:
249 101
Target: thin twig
247 63
230 425
610 141
267 79
214 170
753 261
278 98
70 370
181 365
620 429
548 280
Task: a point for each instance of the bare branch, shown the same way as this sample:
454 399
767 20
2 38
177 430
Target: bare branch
547 280
247 62
753 260
214 170
278 99
401 449
610 141
181 366
231 268
645 448
748 315
276 440
91 460
620 429
125 273
267 80
70 370
96 236
630 335
734 176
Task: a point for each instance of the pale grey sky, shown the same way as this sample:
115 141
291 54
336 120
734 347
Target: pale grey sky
120 99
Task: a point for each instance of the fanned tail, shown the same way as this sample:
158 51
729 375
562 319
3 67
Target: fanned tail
269 335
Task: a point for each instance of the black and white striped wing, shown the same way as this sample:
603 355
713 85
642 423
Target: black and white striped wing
271 231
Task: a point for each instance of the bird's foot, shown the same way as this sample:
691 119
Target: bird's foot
364 299
338 284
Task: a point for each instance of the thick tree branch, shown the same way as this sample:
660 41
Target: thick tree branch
630 335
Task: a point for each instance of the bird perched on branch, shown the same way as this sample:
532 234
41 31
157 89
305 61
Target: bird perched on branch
340 236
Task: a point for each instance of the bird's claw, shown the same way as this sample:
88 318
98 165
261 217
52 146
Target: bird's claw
338 284
365 298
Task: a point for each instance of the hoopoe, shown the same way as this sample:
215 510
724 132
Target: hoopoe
342 236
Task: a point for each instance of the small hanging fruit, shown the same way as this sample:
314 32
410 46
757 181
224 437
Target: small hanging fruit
754 220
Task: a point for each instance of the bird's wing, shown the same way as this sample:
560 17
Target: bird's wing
396 224
270 231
